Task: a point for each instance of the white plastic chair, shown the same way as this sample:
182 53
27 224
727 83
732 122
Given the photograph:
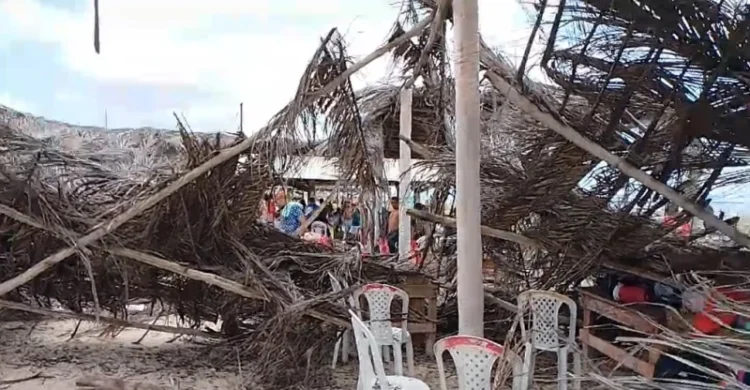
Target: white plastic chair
371 371
545 334
321 228
343 338
474 358
379 298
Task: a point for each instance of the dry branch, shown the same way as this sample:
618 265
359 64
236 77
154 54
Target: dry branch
498 71
154 261
437 27
106 320
486 230
224 155
416 147
212 279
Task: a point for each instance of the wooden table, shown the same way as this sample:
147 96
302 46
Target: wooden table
422 300
642 318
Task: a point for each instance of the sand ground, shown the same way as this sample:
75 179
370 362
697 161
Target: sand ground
44 349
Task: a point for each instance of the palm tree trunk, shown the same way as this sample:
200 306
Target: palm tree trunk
468 210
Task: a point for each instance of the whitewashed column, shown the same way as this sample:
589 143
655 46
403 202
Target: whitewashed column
404 163
468 203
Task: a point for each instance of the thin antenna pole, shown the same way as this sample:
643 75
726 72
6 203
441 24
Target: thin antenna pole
105 120
241 118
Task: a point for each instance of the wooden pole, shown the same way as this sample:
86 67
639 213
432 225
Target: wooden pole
498 72
468 212
404 166
104 229
242 119
485 230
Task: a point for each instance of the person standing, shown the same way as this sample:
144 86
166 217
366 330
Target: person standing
291 215
393 226
267 209
311 208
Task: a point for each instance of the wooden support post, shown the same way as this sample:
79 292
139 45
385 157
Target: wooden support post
404 165
468 208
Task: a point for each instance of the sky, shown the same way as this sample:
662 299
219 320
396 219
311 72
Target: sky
200 58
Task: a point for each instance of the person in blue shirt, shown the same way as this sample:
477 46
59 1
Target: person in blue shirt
311 208
291 215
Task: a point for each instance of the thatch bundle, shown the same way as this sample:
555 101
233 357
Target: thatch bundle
50 198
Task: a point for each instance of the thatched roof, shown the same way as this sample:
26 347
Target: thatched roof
689 59
209 226
132 151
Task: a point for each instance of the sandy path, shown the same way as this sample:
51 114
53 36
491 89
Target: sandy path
46 348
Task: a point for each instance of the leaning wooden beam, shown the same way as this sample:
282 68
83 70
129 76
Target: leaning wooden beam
154 261
416 147
106 320
485 230
211 279
435 31
498 72
105 228
500 302
205 277
405 174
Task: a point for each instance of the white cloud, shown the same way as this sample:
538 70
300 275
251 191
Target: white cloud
186 42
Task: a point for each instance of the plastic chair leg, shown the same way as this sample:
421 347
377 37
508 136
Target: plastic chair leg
346 340
336 353
398 359
577 370
386 354
528 366
562 369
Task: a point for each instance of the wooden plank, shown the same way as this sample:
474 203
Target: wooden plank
619 313
617 354
432 313
586 324
424 291
646 274
419 327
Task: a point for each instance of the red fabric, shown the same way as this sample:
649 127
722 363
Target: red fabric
683 230
417 255
707 325
383 246
325 241
632 294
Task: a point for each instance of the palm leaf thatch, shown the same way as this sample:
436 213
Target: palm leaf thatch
667 98
208 226
56 191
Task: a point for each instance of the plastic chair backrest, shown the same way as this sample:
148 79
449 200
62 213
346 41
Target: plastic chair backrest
319 227
371 368
337 287
474 358
379 298
545 319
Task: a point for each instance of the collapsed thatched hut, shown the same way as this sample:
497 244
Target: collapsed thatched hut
200 252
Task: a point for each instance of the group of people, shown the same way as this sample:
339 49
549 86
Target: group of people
294 217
